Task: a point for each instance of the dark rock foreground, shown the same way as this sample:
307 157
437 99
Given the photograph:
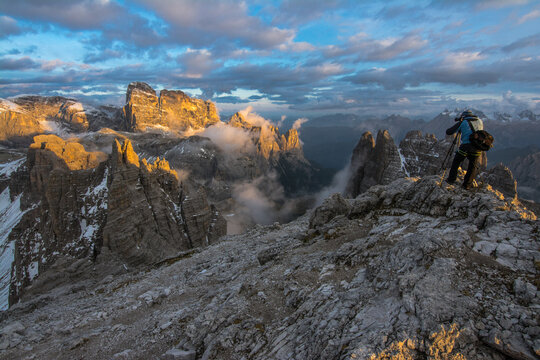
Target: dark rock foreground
409 270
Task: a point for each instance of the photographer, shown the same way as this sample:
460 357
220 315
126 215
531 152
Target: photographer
466 124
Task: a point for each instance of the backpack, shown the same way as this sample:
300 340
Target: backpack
480 139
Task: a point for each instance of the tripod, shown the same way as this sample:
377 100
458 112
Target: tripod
443 166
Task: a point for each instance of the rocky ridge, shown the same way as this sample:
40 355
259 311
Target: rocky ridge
268 141
408 270
65 204
381 162
23 117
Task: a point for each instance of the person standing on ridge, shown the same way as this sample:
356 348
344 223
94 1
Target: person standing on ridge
466 124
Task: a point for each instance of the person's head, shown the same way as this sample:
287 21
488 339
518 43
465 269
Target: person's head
466 114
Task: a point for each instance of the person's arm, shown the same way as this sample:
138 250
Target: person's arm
453 129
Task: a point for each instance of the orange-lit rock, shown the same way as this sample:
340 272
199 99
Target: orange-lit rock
172 110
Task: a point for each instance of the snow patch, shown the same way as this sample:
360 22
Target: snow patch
403 162
33 270
88 231
8 168
6 105
10 215
101 188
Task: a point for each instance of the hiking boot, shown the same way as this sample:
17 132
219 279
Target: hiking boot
467 187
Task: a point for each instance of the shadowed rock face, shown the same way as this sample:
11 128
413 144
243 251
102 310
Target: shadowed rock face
87 205
423 154
173 110
527 170
63 200
374 163
150 217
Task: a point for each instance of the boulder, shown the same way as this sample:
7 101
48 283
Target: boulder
334 206
501 178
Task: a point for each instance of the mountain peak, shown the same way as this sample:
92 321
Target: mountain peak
173 110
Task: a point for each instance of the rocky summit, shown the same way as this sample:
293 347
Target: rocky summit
408 270
268 141
172 110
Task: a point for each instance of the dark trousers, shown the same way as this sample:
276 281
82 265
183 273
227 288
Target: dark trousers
466 151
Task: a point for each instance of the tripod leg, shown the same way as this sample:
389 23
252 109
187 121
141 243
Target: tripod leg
457 138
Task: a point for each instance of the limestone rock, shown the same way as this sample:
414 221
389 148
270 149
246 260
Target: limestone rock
72 113
502 179
172 110
267 139
23 117
177 354
333 206
85 206
403 278
423 155
63 197
290 141
382 163
16 124
149 216
417 156
358 182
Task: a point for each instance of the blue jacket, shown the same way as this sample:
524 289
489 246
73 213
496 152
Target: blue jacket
465 129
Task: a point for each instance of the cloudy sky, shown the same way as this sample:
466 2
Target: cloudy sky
298 57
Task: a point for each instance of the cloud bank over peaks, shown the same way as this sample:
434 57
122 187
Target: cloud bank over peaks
255 119
231 140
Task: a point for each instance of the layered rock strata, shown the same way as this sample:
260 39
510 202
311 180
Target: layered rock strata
173 110
150 217
76 204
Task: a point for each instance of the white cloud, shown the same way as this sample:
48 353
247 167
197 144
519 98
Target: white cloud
298 123
530 16
461 59
229 139
209 22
